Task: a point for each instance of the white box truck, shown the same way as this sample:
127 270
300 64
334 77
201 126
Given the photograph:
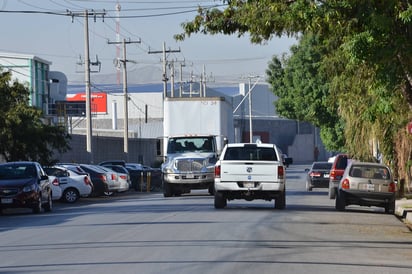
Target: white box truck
194 132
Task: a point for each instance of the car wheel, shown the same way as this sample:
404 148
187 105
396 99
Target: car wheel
70 195
37 208
340 202
220 200
390 207
308 187
49 206
167 190
332 191
280 202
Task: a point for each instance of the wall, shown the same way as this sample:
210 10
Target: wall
110 148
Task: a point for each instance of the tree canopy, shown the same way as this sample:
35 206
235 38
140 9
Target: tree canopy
350 74
23 135
378 33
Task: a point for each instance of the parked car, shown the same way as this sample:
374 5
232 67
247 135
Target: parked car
55 186
366 184
338 167
140 173
73 184
123 176
318 175
97 176
115 185
25 185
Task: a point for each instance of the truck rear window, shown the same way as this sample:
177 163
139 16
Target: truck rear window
250 153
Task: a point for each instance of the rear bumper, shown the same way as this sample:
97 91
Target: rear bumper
257 190
319 182
368 198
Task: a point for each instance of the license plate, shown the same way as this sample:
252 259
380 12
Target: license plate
248 185
190 176
326 175
370 187
6 200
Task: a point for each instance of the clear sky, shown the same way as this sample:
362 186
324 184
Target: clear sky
51 35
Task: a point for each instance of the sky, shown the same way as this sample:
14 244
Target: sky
42 28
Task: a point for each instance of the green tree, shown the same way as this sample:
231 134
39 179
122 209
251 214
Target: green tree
23 135
303 90
377 33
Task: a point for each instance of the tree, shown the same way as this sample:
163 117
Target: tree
375 32
303 90
23 135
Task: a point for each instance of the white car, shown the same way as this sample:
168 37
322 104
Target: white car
73 185
56 189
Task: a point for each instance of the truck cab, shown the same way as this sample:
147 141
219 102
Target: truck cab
188 164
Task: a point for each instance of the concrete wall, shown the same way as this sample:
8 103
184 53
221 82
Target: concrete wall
110 148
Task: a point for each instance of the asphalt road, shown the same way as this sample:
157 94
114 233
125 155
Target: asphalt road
146 233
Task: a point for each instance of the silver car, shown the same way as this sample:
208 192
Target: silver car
366 184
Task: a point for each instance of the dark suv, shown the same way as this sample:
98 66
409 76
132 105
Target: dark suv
24 185
336 172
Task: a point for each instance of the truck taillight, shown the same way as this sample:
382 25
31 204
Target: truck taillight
345 184
392 187
217 171
281 172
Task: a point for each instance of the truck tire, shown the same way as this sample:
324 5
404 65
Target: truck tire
220 200
280 202
167 190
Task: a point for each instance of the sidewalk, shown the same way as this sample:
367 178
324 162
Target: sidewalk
403 209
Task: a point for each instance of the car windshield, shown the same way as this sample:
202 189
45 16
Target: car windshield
250 153
17 171
369 172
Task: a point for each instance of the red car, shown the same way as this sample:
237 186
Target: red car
24 185
336 173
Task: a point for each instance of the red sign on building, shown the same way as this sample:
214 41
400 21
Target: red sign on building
98 103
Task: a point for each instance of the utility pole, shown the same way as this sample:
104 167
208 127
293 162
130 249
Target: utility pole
165 79
86 14
126 97
182 64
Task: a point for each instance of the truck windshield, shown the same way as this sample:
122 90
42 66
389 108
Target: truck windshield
188 144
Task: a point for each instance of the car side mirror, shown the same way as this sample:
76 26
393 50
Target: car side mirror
307 169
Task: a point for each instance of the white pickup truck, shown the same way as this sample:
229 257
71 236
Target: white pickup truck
250 171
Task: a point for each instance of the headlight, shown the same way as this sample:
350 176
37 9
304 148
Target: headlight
29 188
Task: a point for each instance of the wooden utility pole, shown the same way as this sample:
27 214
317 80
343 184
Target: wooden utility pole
164 78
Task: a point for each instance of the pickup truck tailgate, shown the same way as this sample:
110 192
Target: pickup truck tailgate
237 171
